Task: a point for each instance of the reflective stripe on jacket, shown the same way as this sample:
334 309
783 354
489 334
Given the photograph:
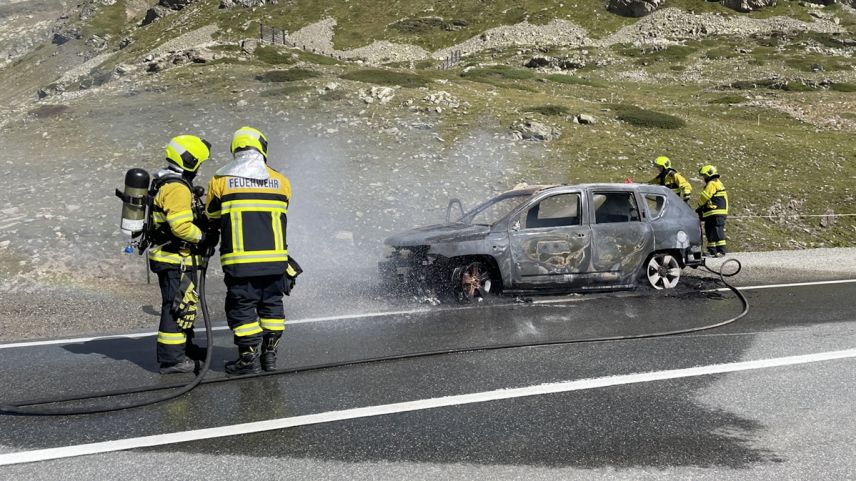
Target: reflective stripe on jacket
172 222
713 199
253 220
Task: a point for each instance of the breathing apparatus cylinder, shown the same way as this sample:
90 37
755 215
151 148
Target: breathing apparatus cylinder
134 201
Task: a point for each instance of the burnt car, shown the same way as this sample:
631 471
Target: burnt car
551 238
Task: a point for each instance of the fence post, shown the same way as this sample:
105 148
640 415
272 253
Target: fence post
261 31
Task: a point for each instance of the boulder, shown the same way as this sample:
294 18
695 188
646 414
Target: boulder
531 130
747 5
380 94
245 3
201 56
154 14
585 119
633 8
175 4
65 35
98 43
555 63
249 45
539 62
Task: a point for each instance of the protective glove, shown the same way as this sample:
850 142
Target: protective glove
289 279
184 306
208 243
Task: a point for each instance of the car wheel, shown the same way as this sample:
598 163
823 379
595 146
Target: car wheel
472 282
663 271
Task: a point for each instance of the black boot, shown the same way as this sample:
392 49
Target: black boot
268 356
195 352
184 366
247 362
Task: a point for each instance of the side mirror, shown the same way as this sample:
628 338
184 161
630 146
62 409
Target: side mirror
515 226
450 207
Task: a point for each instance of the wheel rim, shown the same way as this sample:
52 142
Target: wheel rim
664 272
475 282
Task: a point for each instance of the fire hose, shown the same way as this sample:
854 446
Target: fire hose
29 407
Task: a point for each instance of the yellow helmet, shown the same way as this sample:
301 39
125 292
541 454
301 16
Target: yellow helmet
707 171
187 152
663 162
248 137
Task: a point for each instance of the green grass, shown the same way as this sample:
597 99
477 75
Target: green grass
47 111
808 63
573 80
797 86
501 76
387 77
317 59
848 115
286 91
448 22
498 72
273 56
752 84
843 87
721 53
423 25
672 53
646 118
108 20
549 110
290 75
333 95
728 100
226 48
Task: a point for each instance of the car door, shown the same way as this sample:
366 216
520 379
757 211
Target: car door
621 235
550 241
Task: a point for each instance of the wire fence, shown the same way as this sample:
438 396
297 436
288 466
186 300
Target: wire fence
275 35
453 59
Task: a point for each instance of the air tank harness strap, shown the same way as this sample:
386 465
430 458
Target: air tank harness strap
186 301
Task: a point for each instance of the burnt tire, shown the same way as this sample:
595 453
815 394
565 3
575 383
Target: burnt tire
472 282
663 271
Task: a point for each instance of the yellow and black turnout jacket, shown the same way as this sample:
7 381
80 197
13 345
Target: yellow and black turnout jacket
172 223
252 217
713 200
674 181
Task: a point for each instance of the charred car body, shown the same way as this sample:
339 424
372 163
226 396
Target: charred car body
552 238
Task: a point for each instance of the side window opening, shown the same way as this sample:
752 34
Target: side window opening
556 211
611 207
656 203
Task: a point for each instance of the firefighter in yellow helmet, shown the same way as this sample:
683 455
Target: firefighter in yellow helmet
248 203
173 232
671 178
713 210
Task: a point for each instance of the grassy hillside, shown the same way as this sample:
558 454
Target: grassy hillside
776 114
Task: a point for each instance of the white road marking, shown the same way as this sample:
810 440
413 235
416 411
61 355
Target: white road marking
794 284
411 406
139 335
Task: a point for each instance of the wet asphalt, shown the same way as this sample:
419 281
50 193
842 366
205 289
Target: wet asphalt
782 423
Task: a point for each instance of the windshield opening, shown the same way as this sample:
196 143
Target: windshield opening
494 209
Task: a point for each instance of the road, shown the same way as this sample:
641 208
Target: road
768 397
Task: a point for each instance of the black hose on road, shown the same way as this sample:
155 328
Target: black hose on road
22 409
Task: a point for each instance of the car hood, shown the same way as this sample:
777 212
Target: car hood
439 233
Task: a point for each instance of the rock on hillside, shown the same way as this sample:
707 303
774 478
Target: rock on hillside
633 8
747 5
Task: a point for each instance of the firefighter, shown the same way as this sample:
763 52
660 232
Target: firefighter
248 203
671 178
173 233
713 210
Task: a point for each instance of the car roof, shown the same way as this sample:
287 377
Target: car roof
532 189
